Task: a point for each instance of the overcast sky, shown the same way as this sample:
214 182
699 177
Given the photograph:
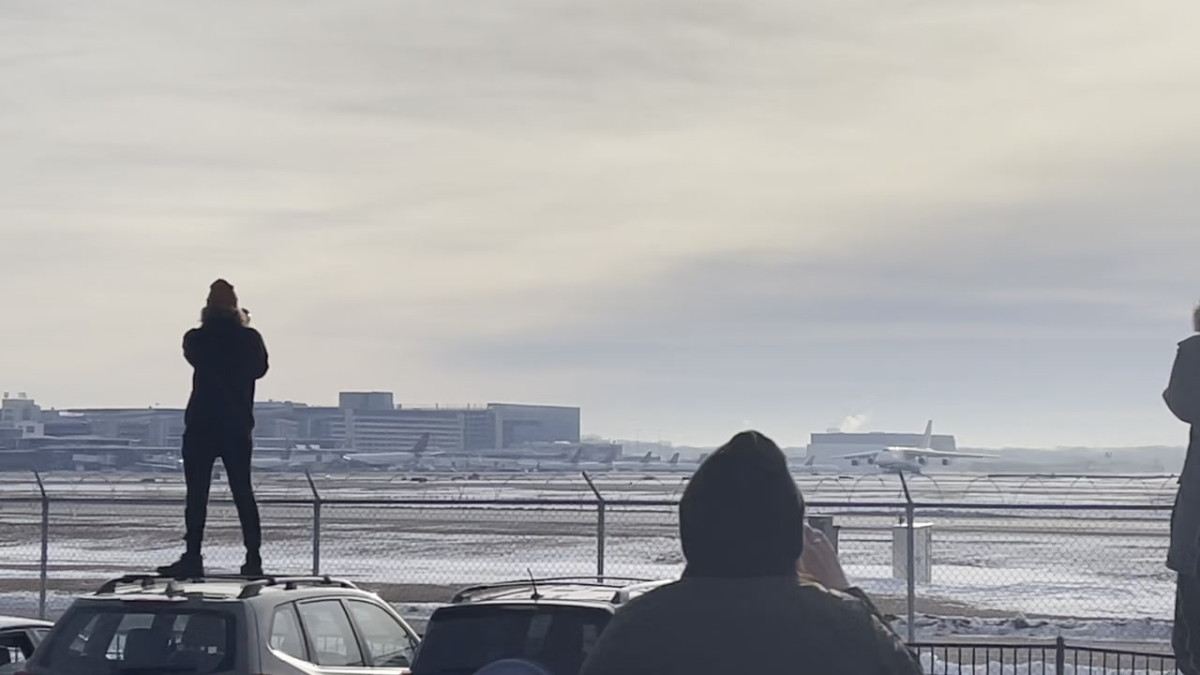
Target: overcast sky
685 217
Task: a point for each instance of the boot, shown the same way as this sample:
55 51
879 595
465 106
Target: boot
253 565
189 566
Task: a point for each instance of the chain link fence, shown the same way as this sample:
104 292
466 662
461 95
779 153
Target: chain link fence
1079 570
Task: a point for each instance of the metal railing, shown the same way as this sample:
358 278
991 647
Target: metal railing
1044 658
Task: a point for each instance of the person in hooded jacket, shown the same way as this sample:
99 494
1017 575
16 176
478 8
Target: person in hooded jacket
227 357
1182 397
741 606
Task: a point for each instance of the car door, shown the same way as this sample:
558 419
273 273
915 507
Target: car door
333 643
387 641
16 645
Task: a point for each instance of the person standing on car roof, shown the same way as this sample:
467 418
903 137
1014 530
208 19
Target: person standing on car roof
227 357
762 592
1182 397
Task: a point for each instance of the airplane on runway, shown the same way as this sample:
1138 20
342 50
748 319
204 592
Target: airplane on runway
909 459
280 462
160 463
388 460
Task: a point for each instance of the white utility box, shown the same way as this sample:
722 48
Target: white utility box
922 547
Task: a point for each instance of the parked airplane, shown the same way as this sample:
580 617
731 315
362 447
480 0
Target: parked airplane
909 459
634 464
575 463
811 467
674 465
387 460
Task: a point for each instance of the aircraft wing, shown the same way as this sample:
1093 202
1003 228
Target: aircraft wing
857 455
924 452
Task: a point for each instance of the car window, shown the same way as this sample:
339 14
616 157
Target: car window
130 637
329 633
464 638
15 647
286 636
386 641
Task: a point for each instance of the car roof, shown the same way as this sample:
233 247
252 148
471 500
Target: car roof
22 622
563 590
228 588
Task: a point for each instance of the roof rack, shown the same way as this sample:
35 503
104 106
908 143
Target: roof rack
624 595
617 583
251 586
145 581
256 586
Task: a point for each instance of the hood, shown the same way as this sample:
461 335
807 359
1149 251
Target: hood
222 294
741 514
220 316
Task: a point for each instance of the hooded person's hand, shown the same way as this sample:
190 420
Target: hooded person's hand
820 561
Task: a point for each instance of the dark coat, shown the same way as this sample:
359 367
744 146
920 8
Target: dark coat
1183 398
740 607
758 626
228 357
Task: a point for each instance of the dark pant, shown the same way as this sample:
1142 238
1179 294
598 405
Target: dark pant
1185 639
200 453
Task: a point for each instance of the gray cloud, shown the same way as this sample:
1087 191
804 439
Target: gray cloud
430 194
1051 312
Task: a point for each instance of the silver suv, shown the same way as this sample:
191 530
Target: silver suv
143 625
18 637
542 626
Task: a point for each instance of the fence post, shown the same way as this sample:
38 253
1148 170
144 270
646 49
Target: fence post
601 527
316 525
1060 655
911 558
44 566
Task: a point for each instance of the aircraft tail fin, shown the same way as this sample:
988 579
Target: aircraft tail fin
674 459
421 444
810 460
927 441
702 458
646 458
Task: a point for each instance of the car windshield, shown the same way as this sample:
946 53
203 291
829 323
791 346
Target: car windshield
463 639
130 639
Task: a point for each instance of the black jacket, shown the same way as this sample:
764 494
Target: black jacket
1183 398
756 626
740 606
1183 392
227 357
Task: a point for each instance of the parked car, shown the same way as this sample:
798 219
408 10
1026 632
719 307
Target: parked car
551 625
143 625
18 638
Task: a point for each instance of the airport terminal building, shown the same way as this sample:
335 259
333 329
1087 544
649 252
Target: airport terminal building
31 437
